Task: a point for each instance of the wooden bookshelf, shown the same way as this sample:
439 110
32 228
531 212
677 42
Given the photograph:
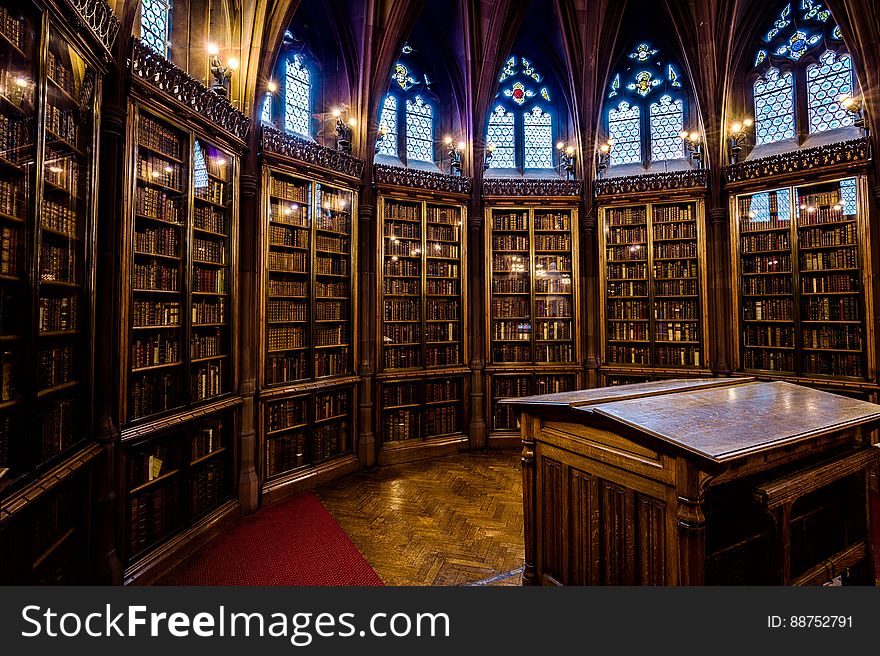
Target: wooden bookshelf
802 282
533 326
307 429
310 273
421 323
181 287
653 287
173 478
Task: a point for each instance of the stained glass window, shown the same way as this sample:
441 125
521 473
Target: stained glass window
774 107
266 111
501 136
419 130
155 24
200 168
827 81
848 193
297 105
624 129
538 139
388 120
667 121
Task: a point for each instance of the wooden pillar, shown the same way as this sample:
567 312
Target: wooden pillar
720 299
690 486
366 447
477 311
589 290
249 347
107 568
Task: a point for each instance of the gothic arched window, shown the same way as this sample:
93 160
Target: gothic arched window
647 109
266 111
801 62
522 125
406 117
156 24
297 96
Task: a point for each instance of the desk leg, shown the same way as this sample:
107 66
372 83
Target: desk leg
691 484
529 576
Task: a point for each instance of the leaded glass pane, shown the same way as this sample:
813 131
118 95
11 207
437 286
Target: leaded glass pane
848 191
501 135
667 119
774 107
625 133
419 130
266 112
538 139
297 108
155 21
827 81
388 120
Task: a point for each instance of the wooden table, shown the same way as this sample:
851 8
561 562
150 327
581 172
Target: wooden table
692 482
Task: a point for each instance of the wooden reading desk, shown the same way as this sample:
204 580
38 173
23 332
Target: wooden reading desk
691 482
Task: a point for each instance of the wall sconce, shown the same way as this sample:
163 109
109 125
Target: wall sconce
344 126
603 158
455 149
380 136
220 72
855 106
487 158
738 137
566 159
693 143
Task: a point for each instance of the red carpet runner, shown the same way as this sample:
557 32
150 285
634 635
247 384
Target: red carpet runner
296 542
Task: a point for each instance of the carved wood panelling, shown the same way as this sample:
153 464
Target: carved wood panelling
99 18
398 176
517 187
552 534
618 539
639 184
160 74
854 152
276 142
584 543
651 532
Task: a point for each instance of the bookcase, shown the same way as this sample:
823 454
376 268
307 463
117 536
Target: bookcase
308 396
422 301
653 287
802 290
307 429
310 273
533 320
49 93
173 478
180 320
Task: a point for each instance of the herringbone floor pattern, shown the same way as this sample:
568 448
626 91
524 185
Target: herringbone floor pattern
454 520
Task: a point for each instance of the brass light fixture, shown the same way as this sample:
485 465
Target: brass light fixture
737 138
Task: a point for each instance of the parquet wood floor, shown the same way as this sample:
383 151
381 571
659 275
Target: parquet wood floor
455 520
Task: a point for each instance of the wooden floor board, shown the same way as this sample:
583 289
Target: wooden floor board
454 520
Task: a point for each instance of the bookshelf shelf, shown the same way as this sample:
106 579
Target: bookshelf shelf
801 281
653 311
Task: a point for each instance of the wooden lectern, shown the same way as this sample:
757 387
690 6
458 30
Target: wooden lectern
691 482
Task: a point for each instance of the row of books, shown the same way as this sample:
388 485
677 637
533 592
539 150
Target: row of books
553 329
680 356
440 287
402 333
845 258
773 285
60 218
211 190
442 391
676 269
10 255
330 244
675 250
159 137
156 276
11 198
332 362
835 283
627 216
446 215
295 191
58 427
286 367
13 27
674 331
634 253
158 204
778 263
57 313
512 222
62 171
510 308
402 211
770 309
208 312
291 287
152 393
15 137
156 313
332 404
845 235
848 338
676 310
155 350
59 73
403 231
209 281
63 123
402 310
205 217
666 213
287 337
277 311
769 335
209 250
627 236
396 395
619 354
831 309
207 486
442 309
765 241
56 366
163 240
441 233
296 216
334 223
288 262
682 287
441 356
675 230
286 414
442 420
208 345
401 357
285 452
333 266
510 243
207 380
58 263
335 336
8 369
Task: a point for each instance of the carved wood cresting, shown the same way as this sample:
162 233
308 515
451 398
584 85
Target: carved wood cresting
286 145
514 187
162 75
99 18
856 151
634 184
397 176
